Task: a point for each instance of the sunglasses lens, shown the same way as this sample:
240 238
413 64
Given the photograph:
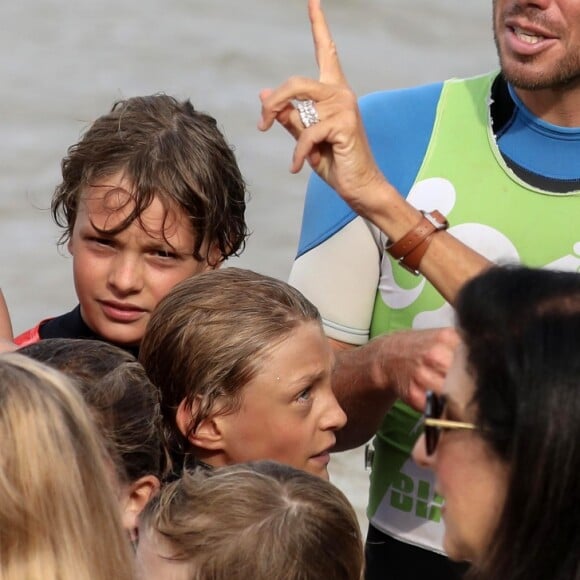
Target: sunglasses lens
431 439
433 410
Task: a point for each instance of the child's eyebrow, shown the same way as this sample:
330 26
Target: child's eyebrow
308 379
90 228
158 243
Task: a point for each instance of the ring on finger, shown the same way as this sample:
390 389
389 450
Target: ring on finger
308 113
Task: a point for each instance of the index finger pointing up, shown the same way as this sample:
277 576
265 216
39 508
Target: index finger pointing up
324 46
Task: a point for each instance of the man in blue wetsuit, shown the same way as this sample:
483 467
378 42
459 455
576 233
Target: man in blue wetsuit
497 156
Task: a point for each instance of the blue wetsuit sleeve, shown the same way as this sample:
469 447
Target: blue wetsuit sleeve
398 125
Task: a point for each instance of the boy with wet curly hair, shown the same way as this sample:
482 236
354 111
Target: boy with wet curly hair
150 195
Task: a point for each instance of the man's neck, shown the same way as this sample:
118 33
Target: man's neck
556 106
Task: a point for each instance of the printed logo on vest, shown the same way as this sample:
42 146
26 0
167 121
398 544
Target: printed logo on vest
416 497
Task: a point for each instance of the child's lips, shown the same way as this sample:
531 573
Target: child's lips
121 311
324 455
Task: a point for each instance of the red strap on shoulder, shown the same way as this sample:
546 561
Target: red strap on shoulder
29 336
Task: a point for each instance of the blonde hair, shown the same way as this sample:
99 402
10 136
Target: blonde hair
258 520
208 338
58 515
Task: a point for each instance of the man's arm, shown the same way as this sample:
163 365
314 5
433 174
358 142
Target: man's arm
369 379
337 149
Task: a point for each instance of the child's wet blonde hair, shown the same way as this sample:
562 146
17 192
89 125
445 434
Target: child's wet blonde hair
261 520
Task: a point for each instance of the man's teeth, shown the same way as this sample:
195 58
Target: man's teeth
525 37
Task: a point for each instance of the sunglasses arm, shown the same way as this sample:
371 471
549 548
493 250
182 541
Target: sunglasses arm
443 423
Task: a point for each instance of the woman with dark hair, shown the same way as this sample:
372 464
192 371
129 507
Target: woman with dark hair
504 438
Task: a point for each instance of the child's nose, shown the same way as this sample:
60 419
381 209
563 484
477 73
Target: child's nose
125 274
334 418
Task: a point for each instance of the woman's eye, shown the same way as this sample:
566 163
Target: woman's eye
305 394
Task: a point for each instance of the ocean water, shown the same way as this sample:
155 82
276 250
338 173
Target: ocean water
62 64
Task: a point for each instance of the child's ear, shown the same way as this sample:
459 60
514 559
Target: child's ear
70 246
208 434
136 496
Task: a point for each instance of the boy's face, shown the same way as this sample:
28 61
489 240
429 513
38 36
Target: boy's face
289 412
120 279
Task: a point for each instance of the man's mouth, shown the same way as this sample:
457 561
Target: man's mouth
527 36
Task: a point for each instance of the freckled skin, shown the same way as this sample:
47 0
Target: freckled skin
289 412
120 279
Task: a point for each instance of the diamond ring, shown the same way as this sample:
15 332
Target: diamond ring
308 113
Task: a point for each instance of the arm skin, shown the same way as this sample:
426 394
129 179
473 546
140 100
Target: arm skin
369 379
337 149
447 264
6 336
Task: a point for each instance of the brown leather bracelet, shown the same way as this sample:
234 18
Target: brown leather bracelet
412 260
410 249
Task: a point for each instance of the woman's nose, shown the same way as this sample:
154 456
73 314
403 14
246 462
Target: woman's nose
420 454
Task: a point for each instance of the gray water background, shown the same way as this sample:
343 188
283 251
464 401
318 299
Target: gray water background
63 63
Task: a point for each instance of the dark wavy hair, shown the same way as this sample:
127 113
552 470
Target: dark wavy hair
122 400
169 151
521 328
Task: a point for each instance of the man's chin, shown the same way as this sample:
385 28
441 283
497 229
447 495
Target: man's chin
535 76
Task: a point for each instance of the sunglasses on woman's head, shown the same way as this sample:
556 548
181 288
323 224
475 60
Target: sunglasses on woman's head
434 406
